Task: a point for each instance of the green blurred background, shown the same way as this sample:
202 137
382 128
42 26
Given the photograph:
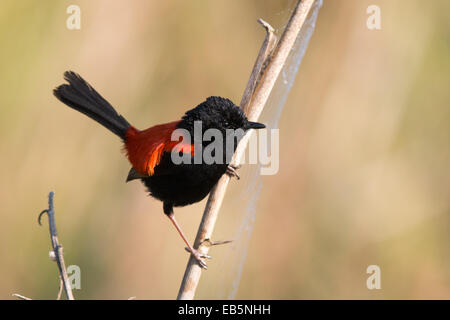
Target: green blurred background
364 153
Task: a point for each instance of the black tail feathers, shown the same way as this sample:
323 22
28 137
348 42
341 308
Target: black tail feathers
79 95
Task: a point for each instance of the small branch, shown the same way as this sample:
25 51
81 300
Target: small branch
57 253
61 287
21 296
261 62
267 68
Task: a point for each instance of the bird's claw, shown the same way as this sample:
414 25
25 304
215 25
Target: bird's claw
215 243
231 171
199 257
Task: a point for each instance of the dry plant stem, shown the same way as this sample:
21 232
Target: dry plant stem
61 287
193 270
262 80
21 296
264 53
278 59
57 248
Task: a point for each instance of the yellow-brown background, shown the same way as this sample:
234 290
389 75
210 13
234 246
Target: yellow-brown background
364 159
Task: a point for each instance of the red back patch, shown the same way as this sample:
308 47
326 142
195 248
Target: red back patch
145 148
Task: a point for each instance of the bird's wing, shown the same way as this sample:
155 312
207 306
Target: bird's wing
145 148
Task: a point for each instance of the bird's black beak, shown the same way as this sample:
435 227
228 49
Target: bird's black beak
255 125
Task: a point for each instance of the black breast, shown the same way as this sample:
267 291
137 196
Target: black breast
182 184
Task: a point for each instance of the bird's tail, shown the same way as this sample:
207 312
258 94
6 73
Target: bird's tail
79 95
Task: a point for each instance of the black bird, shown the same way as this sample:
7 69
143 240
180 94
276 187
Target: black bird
150 151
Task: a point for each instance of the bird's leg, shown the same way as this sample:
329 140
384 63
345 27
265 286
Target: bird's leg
231 171
197 255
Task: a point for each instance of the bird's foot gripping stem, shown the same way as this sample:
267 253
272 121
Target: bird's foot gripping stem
232 171
199 257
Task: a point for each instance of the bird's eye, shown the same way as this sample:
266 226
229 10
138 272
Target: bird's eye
226 124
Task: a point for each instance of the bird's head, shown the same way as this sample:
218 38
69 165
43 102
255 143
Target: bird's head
218 113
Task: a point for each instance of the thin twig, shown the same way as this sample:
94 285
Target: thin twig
57 252
267 68
21 296
61 287
263 55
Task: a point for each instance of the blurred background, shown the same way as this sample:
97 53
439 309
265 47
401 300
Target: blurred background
364 173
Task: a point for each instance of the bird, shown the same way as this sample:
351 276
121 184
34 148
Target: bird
150 151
